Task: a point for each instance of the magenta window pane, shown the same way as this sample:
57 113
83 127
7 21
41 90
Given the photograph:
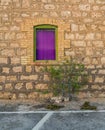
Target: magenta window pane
45 44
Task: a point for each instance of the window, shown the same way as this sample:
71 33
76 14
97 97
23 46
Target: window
45 42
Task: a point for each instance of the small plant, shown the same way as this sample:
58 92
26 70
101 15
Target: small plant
87 106
53 107
66 78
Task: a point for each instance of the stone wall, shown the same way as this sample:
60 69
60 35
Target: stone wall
81 27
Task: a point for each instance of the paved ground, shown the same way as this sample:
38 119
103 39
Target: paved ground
53 121
28 116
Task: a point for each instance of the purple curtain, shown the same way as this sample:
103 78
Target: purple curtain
45 44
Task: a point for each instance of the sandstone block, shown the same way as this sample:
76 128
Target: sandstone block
5 2
65 13
91 1
28 68
39 68
14 97
70 53
100 1
5 95
30 77
99 79
8 86
95 7
87 60
78 43
8 52
74 27
49 6
95 87
45 96
102 28
5 70
19 86
14 45
83 27
21 52
99 44
96 14
54 14
22 96
89 51
84 7
15 60
25 3
17 69
103 60
69 36
14 28
10 36
29 86
80 36
3 60
21 36
101 72
98 36
1 36
11 78
2 79
46 78
41 86
101 95
90 36
33 95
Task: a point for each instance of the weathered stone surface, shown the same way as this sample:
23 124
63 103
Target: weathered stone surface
5 2
49 6
69 36
3 60
17 69
11 78
15 60
8 87
101 72
100 1
8 52
79 43
65 13
84 7
29 86
99 79
39 68
90 36
28 68
46 78
19 86
103 60
10 36
98 43
25 3
5 95
74 27
22 96
5 70
30 77
41 86
33 95
2 78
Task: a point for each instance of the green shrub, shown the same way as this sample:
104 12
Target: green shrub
66 78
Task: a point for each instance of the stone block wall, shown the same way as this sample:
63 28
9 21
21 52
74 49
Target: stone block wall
81 35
